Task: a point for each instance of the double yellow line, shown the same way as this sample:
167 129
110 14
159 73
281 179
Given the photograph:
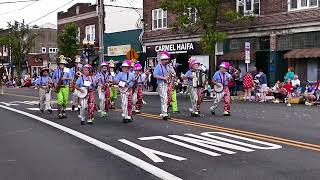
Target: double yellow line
273 139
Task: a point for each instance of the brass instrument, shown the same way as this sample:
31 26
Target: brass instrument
60 83
73 83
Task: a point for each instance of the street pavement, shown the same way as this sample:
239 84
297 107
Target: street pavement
259 141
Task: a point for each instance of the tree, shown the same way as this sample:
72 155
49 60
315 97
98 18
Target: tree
202 16
68 41
20 39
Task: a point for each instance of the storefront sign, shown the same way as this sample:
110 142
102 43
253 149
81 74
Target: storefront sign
175 48
118 50
247 52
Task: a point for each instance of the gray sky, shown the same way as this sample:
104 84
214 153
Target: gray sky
117 19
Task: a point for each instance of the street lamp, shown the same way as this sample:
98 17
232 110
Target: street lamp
88 47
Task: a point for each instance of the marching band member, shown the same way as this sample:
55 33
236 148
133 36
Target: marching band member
162 74
139 81
61 79
44 84
86 84
103 89
114 87
2 78
125 81
220 79
75 73
196 92
172 92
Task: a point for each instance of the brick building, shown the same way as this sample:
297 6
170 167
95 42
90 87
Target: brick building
283 33
85 16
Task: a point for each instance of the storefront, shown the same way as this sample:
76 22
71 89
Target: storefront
180 53
35 62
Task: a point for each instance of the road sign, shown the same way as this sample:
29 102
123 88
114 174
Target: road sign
247 52
132 54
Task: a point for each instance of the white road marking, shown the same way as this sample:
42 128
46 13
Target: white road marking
181 144
8 104
271 146
151 153
121 154
37 109
211 144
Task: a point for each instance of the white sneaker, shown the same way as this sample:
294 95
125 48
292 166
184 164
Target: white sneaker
276 101
99 111
289 105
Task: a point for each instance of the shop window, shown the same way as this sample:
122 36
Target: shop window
248 7
159 19
302 4
264 43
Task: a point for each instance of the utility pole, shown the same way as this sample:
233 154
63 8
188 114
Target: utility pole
101 29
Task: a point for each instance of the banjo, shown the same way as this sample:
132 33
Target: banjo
83 94
218 87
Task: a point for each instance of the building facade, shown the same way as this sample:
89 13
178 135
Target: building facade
282 33
44 50
118 44
85 16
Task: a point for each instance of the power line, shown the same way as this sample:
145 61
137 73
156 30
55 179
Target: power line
13 2
126 7
50 12
9 12
135 9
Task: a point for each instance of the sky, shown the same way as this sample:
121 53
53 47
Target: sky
117 19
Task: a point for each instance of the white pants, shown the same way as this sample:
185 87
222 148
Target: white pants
44 99
102 98
83 108
163 92
217 98
124 103
193 97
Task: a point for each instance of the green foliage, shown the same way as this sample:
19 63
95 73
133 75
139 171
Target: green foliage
68 43
20 38
209 13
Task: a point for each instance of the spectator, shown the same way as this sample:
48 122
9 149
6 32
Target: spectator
232 84
276 92
289 75
263 85
289 88
247 85
296 86
309 94
254 71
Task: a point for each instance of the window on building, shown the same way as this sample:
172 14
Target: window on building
302 4
235 44
77 10
90 33
219 48
43 49
159 19
192 14
248 7
79 34
53 50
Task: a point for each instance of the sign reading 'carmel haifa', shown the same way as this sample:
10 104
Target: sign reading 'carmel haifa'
175 47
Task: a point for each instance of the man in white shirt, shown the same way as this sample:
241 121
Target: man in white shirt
295 82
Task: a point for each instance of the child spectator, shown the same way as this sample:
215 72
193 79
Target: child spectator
247 85
289 88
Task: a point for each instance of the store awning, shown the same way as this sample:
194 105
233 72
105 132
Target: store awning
235 56
302 53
